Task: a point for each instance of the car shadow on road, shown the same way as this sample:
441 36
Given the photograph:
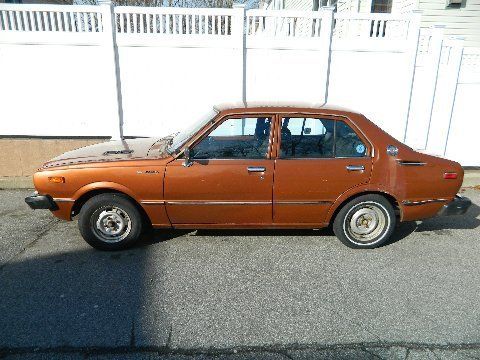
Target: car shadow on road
154 236
441 225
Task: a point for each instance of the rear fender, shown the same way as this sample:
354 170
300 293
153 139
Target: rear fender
358 191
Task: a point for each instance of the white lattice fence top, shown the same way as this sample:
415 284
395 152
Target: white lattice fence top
173 21
50 18
370 26
281 23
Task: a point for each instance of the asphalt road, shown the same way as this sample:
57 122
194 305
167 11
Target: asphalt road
238 294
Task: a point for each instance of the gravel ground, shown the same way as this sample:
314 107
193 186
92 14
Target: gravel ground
238 294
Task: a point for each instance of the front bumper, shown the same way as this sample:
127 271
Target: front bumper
36 201
458 206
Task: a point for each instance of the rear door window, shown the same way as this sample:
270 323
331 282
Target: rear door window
304 137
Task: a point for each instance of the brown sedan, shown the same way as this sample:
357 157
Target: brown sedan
262 167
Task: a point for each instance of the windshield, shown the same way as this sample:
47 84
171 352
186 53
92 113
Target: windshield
182 137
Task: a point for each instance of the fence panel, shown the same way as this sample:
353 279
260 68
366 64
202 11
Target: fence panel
50 24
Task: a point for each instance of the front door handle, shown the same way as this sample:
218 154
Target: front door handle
355 167
255 169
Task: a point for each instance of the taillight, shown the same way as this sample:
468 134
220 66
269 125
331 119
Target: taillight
450 175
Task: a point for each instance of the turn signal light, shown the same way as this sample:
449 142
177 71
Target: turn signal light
450 175
56 179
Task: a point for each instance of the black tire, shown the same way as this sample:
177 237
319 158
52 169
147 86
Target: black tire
110 222
365 222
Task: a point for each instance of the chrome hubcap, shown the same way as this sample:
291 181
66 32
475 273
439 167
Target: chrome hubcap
366 223
113 224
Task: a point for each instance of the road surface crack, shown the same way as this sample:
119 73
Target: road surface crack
45 230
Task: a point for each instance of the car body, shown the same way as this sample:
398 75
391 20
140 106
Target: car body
256 167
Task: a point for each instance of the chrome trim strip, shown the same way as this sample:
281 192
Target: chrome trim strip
411 163
422 202
301 202
152 202
218 202
293 202
63 200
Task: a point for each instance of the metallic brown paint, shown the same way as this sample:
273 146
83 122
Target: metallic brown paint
291 193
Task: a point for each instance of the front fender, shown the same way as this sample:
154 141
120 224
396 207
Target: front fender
103 185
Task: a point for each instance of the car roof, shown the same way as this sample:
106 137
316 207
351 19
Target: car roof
231 108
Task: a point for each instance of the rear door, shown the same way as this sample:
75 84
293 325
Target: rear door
318 159
231 178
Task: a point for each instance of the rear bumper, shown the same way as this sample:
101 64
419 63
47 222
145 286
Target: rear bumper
458 206
41 202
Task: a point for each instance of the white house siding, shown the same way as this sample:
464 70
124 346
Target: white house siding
459 22
348 5
403 6
298 4
365 6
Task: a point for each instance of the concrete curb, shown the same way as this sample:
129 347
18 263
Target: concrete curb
471 178
16 182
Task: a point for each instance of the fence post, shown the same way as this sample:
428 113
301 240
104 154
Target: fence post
432 65
239 45
326 34
413 36
110 45
444 102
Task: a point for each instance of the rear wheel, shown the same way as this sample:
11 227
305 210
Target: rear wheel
365 222
110 222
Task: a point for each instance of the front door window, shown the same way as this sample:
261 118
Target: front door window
236 138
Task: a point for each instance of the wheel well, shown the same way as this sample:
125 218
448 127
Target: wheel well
389 197
77 206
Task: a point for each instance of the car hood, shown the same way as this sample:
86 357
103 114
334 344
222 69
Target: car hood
130 149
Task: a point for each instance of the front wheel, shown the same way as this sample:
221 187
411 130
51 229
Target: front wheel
110 222
365 222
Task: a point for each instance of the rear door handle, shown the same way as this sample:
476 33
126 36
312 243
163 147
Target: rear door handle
255 169
355 167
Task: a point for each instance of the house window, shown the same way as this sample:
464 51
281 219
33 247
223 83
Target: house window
455 4
323 3
381 6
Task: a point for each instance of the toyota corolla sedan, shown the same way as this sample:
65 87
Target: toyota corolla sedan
259 167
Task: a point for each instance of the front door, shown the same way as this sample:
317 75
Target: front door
318 160
231 177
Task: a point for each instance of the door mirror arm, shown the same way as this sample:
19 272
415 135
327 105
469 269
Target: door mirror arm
186 155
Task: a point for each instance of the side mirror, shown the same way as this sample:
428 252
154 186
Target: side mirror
186 156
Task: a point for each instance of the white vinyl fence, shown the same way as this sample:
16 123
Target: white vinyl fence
71 71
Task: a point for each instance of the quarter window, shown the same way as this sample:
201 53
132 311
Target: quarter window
239 138
347 142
